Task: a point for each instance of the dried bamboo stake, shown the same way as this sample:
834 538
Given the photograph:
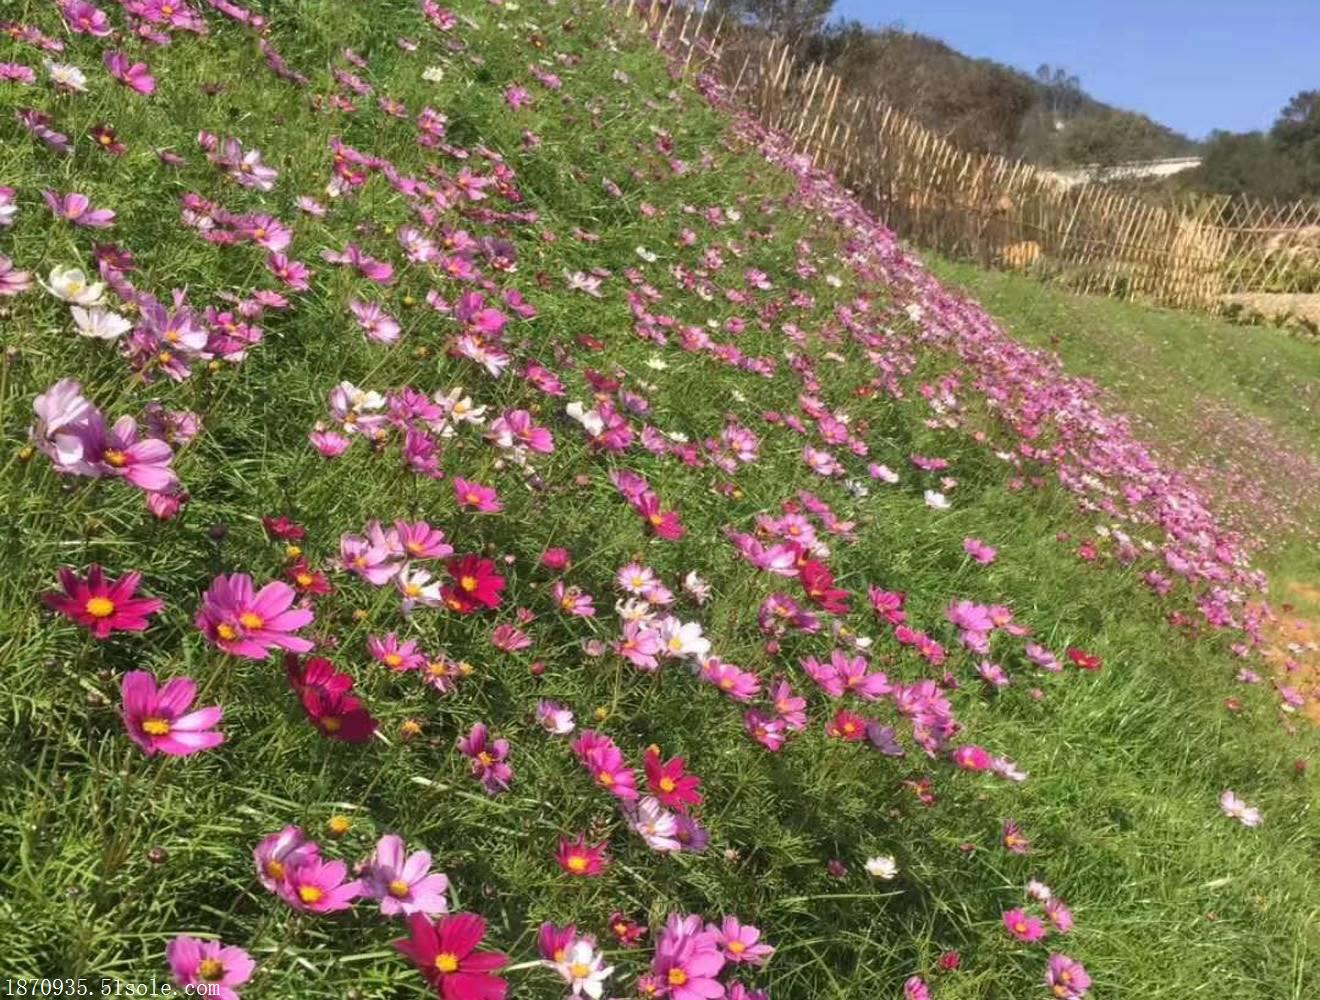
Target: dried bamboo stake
696 32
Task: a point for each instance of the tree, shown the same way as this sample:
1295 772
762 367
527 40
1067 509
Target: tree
1246 163
1296 133
794 19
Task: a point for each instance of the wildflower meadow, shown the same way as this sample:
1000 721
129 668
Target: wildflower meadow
485 518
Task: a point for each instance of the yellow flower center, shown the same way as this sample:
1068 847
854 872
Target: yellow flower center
304 579
99 607
446 962
726 683
210 970
677 977
310 894
468 583
155 726
466 669
105 140
1020 927
399 889
655 519
472 498
578 970
226 631
116 458
393 659
667 784
576 863
605 778
251 620
437 668
332 723
274 869
415 547
486 759
411 590
737 947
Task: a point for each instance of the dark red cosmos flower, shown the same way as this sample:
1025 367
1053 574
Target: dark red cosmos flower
315 673
338 715
626 930
283 529
307 580
846 726
476 585
669 783
818 582
101 605
445 952
1087 661
106 140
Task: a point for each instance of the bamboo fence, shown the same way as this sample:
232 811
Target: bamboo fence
987 208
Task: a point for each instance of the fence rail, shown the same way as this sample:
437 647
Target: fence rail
996 211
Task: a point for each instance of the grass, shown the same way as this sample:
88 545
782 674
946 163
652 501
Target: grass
106 855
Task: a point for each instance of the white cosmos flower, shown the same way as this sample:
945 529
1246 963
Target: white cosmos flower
584 969
65 75
683 639
882 867
71 285
433 74
656 825
99 323
646 255
659 364
589 419
936 500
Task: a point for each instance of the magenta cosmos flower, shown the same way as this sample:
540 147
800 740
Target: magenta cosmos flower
247 623
404 883
1023 926
208 968
101 605
158 720
446 953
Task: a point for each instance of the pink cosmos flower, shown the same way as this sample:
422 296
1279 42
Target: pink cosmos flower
293 274
85 19
1065 978
100 605
379 271
281 851
640 645
208 968
1023 926
554 718
1234 808
318 886
421 541
738 684
516 429
156 719
394 654
765 729
135 76
1060 916
509 639
77 209
377 324
688 960
741 942
605 763
476 497
249 623
13 281
1043 658
572 600
404 883
487 758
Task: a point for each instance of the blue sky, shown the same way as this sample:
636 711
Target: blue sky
1192 64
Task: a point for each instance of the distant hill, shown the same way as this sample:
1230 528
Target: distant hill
1046 118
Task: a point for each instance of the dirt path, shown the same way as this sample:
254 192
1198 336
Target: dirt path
1292 647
